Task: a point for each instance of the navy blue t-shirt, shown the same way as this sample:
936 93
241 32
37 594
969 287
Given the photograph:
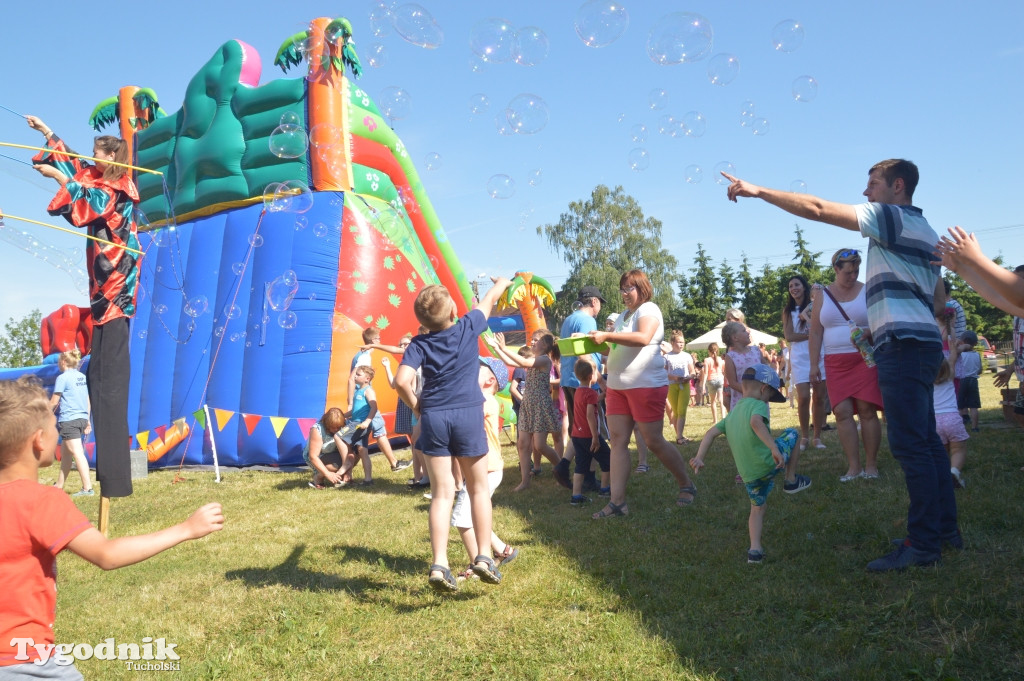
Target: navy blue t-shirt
450 363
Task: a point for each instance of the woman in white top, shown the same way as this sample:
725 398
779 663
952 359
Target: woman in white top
795 328
852 385
637 389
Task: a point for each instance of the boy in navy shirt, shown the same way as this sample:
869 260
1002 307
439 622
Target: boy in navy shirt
450 411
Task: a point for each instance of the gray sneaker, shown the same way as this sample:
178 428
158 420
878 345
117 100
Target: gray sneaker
755 557
401 465
83 493
801 483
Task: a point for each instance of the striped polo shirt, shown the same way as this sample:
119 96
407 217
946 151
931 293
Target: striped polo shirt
900 288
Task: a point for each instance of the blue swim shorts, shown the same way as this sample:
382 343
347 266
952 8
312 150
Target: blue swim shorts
453 432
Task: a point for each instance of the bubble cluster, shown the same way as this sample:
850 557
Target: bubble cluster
282 290
501 186
491 40
288 141
680 37
723 167
395 103
417 26
723 68
788 36
600 23
292 196
530 46
639 159
805 89
527 114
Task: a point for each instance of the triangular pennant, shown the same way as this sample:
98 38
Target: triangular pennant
180 425
200 416
250 421
305 425
279 422
160 431
143 439
222 416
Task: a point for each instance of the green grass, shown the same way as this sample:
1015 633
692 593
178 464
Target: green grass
305 584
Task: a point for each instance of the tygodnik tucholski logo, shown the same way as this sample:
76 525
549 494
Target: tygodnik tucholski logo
153 654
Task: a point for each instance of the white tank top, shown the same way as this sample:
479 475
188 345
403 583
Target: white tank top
836 340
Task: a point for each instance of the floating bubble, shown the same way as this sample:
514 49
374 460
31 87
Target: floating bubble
492 39
287 320
657 99
288 141
723 68
395 103
600 23
805 89
788 36
191 326
273 200
142 334
476 64
527 114
638 133
232 311
760 126
235 337
320 347
679 37
798 187
432 161
312 297
324 136
380 20
196 306
282 290
339 325
693 174
376 56
748 107
694 124
534 177
219 331
501 186
666 124
417 26
530 46
301 223
479 103
621 117
160 309
237 268
291 118
639 159
723 167
165 236
76 255
319 229
255 240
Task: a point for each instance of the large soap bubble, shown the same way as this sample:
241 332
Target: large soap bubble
693 173
196 306
291 118
380 19
287 320
478 103
325 138
377 56
527 114
680 37
282 290
600 23
492 39
638 133
288 141
788 36
417 26
723 167
292 196
723 68
639 159
657 99
395 103
694 124
501 186
805 89
530 46
761 126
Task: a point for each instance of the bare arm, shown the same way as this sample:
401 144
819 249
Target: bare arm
316 445
764 435
961 253
371 399
816 336
730 373
490 298
788 332
514 391
595 432
393 349
109 554
55 401
386 363
697 462
939 298
645 330
802 205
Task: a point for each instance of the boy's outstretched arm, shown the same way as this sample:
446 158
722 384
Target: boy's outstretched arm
109 554
490 298
697 462
760 429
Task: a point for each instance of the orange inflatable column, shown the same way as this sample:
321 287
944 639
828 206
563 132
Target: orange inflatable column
327 101
126 110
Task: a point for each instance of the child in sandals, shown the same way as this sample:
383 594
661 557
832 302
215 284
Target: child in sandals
758 457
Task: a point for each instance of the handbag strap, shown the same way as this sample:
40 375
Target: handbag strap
841 310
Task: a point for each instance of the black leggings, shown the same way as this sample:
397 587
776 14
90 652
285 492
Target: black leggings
108 376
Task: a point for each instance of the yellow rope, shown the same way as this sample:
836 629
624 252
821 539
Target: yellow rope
88 158
71 231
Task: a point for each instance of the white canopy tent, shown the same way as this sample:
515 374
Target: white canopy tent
715 336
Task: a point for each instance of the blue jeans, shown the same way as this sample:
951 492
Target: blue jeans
906 375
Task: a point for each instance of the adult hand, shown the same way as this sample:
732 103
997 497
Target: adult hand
332 477
957 248
1002 379
207 519
599 337
738 188
815 376
36 123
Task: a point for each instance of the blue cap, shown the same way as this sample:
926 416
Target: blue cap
499 370
762 373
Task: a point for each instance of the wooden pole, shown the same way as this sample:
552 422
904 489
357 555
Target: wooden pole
104 521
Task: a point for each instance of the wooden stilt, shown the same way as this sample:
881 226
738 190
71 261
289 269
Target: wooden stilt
104 520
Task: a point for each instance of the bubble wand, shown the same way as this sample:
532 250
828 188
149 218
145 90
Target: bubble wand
12 111
88 158
18 160
70 231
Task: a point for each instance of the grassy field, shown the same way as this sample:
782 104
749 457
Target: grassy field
331 584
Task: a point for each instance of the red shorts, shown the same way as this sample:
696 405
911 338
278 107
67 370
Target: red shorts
645 405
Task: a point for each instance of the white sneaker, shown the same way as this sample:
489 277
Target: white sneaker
958 479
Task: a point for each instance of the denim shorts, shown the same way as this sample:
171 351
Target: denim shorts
453 432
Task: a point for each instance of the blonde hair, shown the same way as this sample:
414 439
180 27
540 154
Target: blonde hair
730 331
24 409
369 333
735 314
945 373
433 307
70 358
676 333
368 370
525 351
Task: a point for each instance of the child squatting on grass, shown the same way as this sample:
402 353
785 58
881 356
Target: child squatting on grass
37 522
758 457
450 411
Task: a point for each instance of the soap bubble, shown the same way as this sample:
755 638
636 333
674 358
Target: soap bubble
301 223
599 23
501 186
479 103
761 126
666 124
232 311
432 161
747 115
788 35
380 20
324 137
798 187
291 118
679 37
319 229
502 125
288 141
282 290
160 309
237 268
492 39
657 99
196 306
376 56
530 46
638 133
273 200
527 114
723 167
694 124
805 89
723 68
219 331
255 240
320 347
292 196
165 236
693 174
621 117
142 334
235 337
639 159
287 320
395 103
76 255
535 177
417 26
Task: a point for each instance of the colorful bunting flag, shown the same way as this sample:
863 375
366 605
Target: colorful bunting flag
143 439
200 416
279 422
223 416
305 425
250 421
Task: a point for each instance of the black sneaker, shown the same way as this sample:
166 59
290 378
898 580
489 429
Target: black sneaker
755 557
604 492
590 484
903 557
579 499
561 473
799 484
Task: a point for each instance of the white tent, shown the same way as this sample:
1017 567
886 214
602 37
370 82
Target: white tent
715 336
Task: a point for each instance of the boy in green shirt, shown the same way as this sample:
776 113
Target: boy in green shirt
758 457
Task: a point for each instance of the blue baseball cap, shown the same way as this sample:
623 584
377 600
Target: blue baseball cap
497 368
762 373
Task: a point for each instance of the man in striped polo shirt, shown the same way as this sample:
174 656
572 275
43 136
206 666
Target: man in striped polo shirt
904 293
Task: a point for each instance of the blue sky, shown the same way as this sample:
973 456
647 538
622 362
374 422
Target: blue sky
938 83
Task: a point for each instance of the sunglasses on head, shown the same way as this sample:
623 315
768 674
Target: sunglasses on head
850 254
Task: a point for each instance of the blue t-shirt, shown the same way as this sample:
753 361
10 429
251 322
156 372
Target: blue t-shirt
450 363
360 406
578 322
74 396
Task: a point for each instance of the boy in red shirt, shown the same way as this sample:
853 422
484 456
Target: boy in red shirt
586 437
38 521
